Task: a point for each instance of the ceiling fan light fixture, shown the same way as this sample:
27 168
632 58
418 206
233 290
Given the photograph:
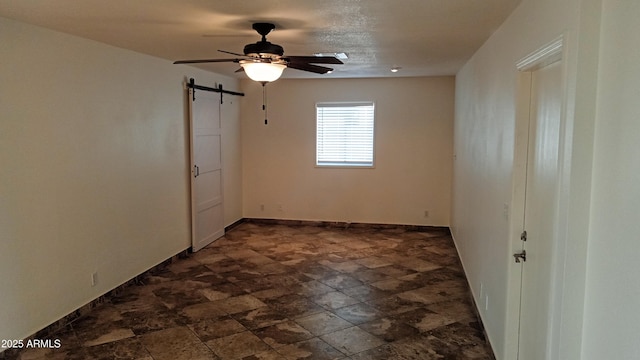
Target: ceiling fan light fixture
262 71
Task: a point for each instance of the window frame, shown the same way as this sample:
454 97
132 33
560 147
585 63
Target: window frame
347 165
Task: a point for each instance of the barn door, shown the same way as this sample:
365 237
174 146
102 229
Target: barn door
207 220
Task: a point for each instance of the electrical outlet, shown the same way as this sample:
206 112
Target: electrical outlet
426 213
94 278
261 207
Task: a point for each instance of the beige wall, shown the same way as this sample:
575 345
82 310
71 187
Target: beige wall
94 170
612 319
484 172
413 152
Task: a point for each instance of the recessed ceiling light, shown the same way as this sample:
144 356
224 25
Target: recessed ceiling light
395 69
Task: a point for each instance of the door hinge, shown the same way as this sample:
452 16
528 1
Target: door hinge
523 236
521 256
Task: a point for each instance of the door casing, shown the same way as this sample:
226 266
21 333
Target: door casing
551 53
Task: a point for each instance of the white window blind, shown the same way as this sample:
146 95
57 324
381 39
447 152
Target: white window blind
344 134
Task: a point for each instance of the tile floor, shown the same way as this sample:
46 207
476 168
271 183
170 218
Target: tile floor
273 291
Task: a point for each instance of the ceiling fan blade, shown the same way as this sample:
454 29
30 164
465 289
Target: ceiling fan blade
205 61
309 67
240 70
313 59
232 53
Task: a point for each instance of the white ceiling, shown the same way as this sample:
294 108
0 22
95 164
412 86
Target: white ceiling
422 37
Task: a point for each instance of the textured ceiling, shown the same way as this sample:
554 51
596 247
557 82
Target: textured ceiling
422 37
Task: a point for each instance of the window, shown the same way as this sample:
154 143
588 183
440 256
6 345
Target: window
344 134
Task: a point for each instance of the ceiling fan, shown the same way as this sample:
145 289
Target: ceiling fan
264 61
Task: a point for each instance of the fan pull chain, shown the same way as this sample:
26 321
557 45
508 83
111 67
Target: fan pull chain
264 101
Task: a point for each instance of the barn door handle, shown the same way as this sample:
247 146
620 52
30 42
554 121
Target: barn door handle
196 171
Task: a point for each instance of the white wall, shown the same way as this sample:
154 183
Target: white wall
94 170
413 152
231 145
612 319
483 183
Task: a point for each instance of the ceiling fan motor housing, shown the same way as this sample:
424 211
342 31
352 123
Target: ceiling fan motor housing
264 49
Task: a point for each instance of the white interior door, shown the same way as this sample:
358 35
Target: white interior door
207 219
541 212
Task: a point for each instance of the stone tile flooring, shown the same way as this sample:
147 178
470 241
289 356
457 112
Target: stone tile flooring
273 291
